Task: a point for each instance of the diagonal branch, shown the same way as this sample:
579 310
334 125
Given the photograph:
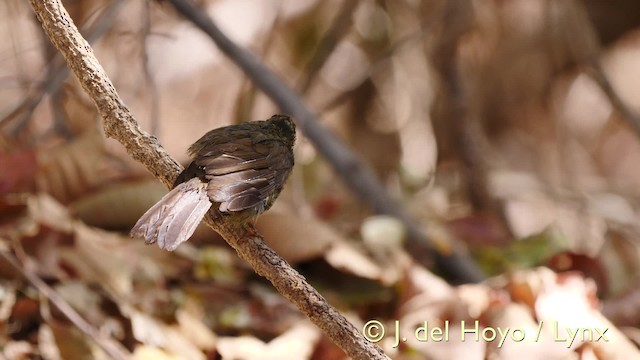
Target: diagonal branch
56 74
337 31
356 174
118 120
588 53
599 75
120 124
111 347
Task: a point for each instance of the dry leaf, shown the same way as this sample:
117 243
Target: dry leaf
293 238
297 343
152 332
195 330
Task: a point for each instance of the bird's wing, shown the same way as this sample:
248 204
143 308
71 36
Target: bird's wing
242 173
237 155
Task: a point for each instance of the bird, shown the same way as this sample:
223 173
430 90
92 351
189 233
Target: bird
237 173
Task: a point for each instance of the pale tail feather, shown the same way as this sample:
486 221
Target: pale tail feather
173 219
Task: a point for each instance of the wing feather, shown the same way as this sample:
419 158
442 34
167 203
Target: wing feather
244 172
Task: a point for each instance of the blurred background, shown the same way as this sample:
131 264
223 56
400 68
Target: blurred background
507 128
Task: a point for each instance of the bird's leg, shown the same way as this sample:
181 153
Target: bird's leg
250 229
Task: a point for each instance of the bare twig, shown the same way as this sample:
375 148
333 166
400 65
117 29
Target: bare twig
154 103
457 110
336 32
55 75
246 98
120 124
454 265
111 347
586 50
118 120
296 289
598 74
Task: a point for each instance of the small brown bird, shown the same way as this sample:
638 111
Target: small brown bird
239 169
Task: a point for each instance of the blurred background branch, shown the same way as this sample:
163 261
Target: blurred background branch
56 73
504 129
111 347
120 124
454 265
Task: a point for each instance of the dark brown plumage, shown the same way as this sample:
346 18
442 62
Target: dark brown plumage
239 169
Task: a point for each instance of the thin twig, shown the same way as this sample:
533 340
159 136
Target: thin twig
118 120
154 103
454 265
55 74
598 74
246 98
111 347
586 49
338 29
120 124
381 62
295 288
